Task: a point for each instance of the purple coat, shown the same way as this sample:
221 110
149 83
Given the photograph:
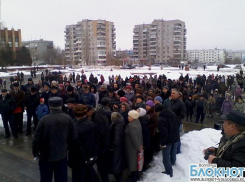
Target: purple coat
238 91
227 106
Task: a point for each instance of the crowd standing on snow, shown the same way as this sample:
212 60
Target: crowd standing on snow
109 124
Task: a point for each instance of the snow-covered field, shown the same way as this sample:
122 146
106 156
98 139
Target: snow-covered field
193 144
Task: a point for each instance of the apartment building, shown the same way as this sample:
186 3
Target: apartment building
90 42
160 42
39 49
12 38
207 56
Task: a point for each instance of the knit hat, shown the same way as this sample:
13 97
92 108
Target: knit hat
133 114
16 84
158 98
123 99
42 100
129 87
150 103
29 79
80 110
115 116
141 111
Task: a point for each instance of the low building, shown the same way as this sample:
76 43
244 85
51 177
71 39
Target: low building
207 56
39 50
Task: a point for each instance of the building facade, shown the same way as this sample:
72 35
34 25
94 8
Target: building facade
160 42
90 42
207 56
12 38
39 50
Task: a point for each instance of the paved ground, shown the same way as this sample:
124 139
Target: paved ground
16 160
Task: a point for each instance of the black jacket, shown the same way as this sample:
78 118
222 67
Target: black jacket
144 121
178 107
168 126
165 96
54 133
7 105
86 145
117 134
234 156
46 96
32 102
189 105
102 122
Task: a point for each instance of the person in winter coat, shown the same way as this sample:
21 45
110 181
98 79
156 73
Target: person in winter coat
168 126
7 105
239 105
19 97
87 98
211 105
71 94
231 152
102 93
189 105
133 143
84 151
165 93
117 147
233 89
129 93
139 102
152 126
124 109
238 91
227 105
53 136
31 104
42 109
201 108
144 121
93 90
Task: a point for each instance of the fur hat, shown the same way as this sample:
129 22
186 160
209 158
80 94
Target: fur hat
115 116
16 84
121 93
55 102
33 89
80 110
70 88
142 112
29 79
133 114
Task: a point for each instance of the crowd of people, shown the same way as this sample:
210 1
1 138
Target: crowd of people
108 125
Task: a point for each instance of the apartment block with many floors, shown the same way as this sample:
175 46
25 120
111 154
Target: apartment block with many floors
207 56
12 38
90 42
160 42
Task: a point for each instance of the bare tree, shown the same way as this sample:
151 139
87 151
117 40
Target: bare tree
55 56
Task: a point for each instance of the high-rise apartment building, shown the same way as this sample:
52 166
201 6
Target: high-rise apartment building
160 42
207 56
39 50
12 38
90 42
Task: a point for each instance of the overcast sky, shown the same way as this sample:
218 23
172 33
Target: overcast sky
209 23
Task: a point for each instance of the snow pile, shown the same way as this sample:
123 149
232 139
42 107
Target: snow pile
193 144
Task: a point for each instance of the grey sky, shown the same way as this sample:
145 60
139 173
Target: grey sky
210 23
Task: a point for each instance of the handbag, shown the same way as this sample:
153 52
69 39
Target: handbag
140 159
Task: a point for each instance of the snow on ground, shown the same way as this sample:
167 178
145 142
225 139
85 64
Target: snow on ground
193 144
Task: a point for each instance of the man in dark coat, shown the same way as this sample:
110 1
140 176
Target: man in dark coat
70 104
71 94
46 93
19 97
7 105
83 153
31 104
87 98
231 152
102 93
201 108
54 133
178 107
168 126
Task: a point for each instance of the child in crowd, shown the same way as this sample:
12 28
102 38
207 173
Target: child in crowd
42 109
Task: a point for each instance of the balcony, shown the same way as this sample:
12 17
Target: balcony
177 27
103 46
136 30
153 36
153 40
177 30
136 43
101 27
153 28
